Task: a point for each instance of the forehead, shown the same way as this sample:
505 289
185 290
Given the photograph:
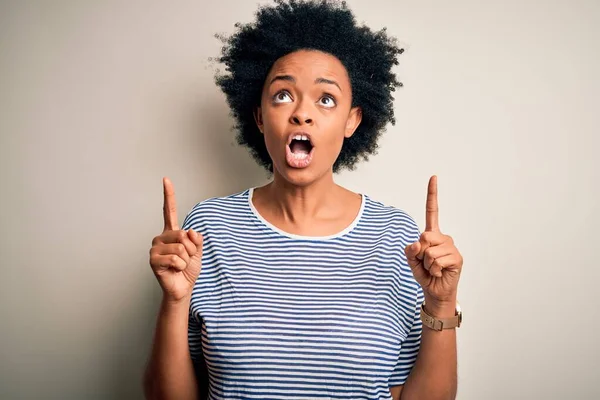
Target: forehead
310 64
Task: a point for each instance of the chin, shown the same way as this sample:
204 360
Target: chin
298 176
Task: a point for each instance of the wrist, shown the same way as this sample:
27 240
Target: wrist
440 308
174 304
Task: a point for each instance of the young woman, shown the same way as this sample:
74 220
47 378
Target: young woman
301 288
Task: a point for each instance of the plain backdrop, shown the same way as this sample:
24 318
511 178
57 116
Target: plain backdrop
101 99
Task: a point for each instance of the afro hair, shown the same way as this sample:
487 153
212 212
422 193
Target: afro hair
327 26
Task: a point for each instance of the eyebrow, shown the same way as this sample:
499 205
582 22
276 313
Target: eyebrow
290 78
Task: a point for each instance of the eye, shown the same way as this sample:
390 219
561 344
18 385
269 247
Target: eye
280 97
327 101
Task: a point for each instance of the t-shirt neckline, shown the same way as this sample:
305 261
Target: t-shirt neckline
341 233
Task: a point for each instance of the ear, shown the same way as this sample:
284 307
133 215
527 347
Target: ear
258 119
353 121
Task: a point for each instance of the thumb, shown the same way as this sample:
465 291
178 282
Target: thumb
411 252
195 237
195 265
415 264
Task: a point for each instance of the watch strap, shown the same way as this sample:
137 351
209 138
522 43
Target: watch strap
439 324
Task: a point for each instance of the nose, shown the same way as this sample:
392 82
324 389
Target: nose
300 116
297 120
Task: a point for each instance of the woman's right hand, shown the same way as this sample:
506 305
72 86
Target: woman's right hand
176 255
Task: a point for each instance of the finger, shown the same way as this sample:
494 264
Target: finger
190 247
196 238
177 249
435 252
180 236
169 206
431 239
427 239
446 262
416 266
431 207
411 252
164 262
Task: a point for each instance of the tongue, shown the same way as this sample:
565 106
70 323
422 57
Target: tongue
298 146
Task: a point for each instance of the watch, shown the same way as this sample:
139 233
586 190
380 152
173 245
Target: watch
438 324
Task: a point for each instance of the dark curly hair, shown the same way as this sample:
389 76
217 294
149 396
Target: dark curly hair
327 26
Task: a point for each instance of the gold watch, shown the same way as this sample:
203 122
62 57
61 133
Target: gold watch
437 324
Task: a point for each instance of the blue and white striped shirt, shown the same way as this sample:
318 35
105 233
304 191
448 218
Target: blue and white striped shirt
282 316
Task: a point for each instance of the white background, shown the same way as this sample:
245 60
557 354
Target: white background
100 100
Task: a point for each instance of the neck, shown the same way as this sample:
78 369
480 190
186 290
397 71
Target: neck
302 204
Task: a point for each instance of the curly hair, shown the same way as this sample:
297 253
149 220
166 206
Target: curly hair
327 26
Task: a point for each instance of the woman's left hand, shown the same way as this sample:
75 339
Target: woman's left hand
435 261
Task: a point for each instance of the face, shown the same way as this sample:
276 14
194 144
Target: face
305 114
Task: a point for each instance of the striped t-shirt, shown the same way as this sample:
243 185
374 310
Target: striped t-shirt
281 316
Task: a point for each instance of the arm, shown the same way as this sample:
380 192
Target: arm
170 371
434 375
436 264
396 392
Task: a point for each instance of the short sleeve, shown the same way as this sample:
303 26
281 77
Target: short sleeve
194 337
195 322
187 221
409 347
195 345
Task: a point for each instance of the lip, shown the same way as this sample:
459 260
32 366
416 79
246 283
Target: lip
291 160
293 134
296 163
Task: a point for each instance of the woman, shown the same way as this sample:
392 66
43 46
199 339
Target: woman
307 289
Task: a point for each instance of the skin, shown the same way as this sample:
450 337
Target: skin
305 202
436 265
308 202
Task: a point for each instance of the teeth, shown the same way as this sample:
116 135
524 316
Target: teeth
299 156
300 137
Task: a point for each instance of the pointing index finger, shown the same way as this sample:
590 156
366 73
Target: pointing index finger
169 206
431 207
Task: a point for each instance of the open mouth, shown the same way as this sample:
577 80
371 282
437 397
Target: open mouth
300 145
299 151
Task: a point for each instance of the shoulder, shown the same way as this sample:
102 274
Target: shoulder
396 230
390 218
219 208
